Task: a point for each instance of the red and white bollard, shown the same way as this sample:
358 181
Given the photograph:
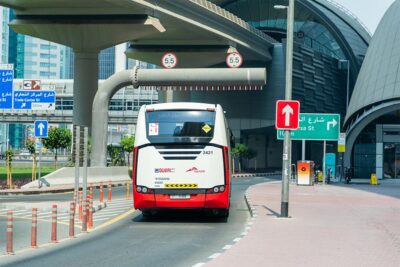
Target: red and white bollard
101 192
54 224
72 220
10 250
90 213
84 216
75 197
109 191
80 206
34 228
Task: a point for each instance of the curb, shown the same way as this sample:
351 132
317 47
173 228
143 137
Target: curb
53 190
249 203
256 174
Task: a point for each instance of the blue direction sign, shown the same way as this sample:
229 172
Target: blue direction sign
41 128
34 100
6 82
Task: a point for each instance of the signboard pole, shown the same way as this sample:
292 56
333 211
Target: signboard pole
40 160
303 150
288 96
77 161
323 164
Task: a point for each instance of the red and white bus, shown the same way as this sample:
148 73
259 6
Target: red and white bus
182 158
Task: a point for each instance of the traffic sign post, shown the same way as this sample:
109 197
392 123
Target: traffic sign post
234 60
287 115
169 60
316 127
41 128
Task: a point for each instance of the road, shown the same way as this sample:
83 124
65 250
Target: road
173 239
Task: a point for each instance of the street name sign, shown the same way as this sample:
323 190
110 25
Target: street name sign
34 100
315 126
287 114
234 60
6 82
41 128
169 60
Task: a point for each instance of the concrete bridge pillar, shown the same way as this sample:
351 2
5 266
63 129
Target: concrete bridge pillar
86 68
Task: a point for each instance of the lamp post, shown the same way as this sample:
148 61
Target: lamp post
286 157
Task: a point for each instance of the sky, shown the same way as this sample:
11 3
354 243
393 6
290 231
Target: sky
369 12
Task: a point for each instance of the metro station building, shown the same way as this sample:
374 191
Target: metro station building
329 45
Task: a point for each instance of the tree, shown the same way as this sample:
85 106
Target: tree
238 152
58 138
30 145
115 154
127 143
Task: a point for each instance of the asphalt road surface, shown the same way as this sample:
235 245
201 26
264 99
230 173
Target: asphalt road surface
183 238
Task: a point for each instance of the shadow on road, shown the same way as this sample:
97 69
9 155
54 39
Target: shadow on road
180 216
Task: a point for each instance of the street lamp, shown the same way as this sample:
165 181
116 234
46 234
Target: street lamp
286 157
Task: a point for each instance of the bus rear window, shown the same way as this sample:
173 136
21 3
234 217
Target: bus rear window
180 126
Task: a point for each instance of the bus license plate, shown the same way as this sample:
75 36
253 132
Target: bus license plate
180 196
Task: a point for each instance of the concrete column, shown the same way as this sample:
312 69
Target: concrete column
86 73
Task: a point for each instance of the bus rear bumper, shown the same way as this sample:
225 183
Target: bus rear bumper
208 201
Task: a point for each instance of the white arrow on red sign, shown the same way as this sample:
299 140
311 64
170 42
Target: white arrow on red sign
287 111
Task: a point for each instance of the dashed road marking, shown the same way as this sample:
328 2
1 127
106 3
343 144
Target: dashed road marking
215 255
227 247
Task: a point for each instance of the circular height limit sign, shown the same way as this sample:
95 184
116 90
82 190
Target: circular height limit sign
234 60
169 60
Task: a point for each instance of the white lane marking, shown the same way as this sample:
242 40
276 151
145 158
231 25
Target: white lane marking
215 255
116 209
227 247
247 228
244 233
198 264
237 239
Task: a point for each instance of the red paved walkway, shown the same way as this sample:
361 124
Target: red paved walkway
344 225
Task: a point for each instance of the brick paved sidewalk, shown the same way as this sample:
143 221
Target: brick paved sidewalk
331 225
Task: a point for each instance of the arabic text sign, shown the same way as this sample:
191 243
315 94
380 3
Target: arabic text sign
35 100
314 126
6 82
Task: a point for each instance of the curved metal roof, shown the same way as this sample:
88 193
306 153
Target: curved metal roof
379 78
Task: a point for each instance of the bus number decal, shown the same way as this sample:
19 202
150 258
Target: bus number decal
209 152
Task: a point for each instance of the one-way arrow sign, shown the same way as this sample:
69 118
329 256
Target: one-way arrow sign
41 128
287 115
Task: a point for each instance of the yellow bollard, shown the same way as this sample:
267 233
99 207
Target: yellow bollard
373 180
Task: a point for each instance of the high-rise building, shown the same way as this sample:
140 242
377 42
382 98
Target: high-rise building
4 35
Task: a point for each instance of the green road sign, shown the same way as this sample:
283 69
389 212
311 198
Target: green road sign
314 126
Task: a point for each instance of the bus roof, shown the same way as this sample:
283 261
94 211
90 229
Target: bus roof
181 105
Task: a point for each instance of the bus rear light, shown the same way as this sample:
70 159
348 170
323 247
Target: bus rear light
144 190
216 189
211 109
149 109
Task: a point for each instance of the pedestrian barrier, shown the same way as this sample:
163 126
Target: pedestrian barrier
72 220
109 191
101 192
34 228
54 224
9 248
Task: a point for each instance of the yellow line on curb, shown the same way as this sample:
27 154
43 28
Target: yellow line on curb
114 220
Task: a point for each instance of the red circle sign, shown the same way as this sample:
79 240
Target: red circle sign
234 60
169 60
